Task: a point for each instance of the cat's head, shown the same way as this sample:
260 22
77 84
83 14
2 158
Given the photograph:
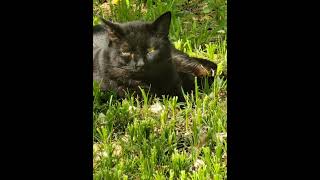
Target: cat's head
141 45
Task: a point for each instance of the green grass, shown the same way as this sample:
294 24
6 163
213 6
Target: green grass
161 138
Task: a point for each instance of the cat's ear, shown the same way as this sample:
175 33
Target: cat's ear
112 28
162 24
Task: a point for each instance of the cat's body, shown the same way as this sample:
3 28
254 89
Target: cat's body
133 54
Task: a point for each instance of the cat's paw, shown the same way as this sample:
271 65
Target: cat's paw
201 71
134 83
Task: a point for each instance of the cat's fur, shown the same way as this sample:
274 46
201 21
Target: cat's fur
133 54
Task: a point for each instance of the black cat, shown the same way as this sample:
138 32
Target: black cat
133 54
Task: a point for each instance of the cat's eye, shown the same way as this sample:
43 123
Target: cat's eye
150 50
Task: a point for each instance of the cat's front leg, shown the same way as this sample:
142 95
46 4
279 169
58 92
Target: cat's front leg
137 85
131 86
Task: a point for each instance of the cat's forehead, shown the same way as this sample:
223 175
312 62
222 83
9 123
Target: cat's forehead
138 33
137 28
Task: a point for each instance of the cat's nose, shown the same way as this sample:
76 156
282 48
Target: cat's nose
140 62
